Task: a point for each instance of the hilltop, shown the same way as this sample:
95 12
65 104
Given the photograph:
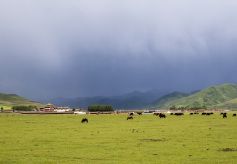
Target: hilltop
224 96
9 100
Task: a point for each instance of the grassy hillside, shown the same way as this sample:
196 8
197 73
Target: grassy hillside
215 96
9 100
231 104
169 98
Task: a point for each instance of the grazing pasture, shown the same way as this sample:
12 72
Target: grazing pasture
114 139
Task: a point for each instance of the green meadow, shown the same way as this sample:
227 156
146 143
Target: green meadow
113 139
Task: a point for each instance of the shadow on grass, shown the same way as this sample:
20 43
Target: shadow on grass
228 149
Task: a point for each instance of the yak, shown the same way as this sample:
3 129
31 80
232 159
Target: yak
161 115
224 115
139 113
131 114
178 114
129 118
84 120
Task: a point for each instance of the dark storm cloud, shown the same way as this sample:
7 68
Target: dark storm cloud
84 47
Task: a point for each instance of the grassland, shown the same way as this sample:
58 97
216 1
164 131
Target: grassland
113 139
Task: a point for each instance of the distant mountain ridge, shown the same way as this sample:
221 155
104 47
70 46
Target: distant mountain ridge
217 96
9 100
131 100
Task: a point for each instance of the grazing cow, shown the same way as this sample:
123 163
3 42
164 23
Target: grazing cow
84 120
156 114
224 115
178 114
161 115
131 114
129 118
234 115
171 113
191 113
139 113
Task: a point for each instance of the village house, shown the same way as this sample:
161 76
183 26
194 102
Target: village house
48 108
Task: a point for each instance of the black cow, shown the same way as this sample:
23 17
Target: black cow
84 120
178 114
139 113
191 113
131 114
156 114
234 115
224 115
129 118
161 115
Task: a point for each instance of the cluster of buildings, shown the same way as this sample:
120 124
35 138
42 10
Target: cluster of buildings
53 108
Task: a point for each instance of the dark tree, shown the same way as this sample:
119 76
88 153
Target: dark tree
173 107
100 108
24 108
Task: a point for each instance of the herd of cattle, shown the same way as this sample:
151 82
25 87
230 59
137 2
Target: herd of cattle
162 115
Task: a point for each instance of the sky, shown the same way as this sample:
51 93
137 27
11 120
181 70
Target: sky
70 48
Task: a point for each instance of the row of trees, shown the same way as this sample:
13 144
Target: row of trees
24 108
100 108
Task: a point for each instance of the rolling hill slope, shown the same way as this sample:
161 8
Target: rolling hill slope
231 104
215 96
164 100
8 100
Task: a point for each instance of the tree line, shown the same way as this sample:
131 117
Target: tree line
100 108
24 108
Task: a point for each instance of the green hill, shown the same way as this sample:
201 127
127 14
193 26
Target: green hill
9 100
231 104
164 100
224 95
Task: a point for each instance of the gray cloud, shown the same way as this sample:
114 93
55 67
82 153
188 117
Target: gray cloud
84 47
